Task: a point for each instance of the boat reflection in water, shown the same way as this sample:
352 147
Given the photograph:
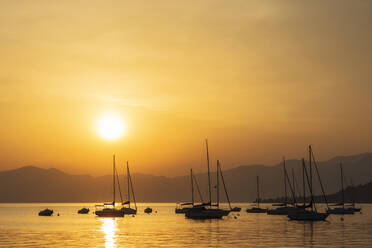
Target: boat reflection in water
109 228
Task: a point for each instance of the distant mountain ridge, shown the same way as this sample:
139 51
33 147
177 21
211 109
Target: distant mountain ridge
33 184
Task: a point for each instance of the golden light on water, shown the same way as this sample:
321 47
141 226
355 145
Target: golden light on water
111 126
109 228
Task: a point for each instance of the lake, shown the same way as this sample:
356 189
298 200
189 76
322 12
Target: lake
20 226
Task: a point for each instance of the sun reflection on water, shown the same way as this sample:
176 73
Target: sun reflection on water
109 228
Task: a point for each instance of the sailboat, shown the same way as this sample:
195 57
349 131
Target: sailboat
129 210
352 205
109 209
207 210
257 209
182 208
301 213
284 209
341 210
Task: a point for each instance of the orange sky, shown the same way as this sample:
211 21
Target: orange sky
261 79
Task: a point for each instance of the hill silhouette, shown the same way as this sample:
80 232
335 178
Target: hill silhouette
33 184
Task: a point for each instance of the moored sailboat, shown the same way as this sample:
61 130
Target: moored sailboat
128 209
109 209
301 213
207 210
284 207
342 209
257 209
182 208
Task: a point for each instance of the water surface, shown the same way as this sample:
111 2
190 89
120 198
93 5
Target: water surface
20 226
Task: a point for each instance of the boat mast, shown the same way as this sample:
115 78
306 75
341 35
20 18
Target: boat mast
258 194
311 179
224 186
285 182
303 180
209 174
218 184
128 184
192 188
294 186
342 186
113 173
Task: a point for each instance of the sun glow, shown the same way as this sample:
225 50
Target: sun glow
111 126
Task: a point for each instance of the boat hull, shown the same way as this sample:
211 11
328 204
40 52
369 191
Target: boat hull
46 212
341 211
281 211
256 210
307 216
181 210
148 210
83 211
109 212
129 211
236 209
202 214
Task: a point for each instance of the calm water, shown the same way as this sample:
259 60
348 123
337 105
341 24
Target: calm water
21 227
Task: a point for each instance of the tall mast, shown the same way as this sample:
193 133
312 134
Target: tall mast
128 184
285 182
131 188
209 174
258 193
192 188
218 184
224 186
294 185
342 186
113 173
303 180
311 177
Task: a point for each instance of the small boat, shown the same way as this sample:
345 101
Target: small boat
83 211
148 210
257 209
341 210
128 209
109 209
301 213
236 209
46 212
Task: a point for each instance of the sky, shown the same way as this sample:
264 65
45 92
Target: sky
260 79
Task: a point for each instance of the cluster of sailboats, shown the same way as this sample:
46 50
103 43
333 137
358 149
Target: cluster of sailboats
306 210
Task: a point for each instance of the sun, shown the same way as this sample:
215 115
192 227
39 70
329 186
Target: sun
110 126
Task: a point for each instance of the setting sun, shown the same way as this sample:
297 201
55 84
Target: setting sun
110 126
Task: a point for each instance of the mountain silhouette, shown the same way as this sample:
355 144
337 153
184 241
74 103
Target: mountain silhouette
33 184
